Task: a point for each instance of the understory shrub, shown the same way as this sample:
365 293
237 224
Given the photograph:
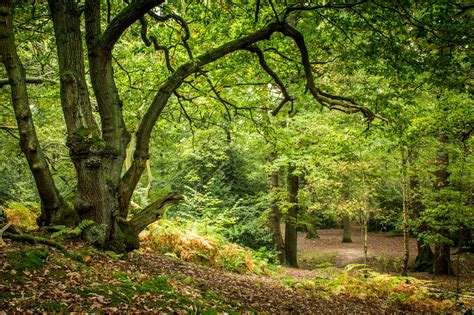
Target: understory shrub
201 243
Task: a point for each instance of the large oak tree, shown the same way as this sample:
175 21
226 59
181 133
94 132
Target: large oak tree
86 36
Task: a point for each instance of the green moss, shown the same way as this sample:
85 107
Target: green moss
53 307
130 238
125 290
22 215
31 259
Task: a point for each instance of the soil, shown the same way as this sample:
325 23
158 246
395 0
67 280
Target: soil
329 245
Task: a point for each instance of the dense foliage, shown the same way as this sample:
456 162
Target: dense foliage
367 105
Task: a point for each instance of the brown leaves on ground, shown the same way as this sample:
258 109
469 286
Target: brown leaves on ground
98 281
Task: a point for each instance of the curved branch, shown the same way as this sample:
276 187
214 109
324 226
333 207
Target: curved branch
132 176
335 102
264 65
181 22
119 24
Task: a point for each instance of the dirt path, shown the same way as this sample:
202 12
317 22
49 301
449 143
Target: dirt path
385 253
328 248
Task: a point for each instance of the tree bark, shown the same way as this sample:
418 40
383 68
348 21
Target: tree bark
54 209
275 221
442 252
425 257
291 219
153 212
346 226
406 247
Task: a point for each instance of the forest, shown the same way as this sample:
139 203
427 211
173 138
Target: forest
236 156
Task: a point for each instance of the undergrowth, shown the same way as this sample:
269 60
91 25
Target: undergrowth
362 283
201 243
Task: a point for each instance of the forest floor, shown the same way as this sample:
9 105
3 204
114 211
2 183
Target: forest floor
385 252
38 278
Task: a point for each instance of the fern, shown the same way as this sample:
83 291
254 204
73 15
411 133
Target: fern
64 231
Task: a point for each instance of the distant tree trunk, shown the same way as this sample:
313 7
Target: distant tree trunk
291 220
311 232
346 226
406 252
54 210
442 263
275 221
425 257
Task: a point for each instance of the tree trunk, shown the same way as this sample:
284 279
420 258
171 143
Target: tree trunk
291 220
442 263
425 258
275 221
54 210
406 247
346 226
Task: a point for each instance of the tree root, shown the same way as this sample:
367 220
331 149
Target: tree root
26 238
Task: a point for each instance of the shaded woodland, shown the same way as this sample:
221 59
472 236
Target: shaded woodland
227 134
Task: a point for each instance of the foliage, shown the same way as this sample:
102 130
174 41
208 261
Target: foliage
362 283
22 214
201 243
64 231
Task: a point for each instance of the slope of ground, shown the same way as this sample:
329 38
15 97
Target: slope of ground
38 278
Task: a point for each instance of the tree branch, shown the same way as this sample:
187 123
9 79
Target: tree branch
264 65
317 7
119 24
33 80
153 212
132 176
335 102
181 22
